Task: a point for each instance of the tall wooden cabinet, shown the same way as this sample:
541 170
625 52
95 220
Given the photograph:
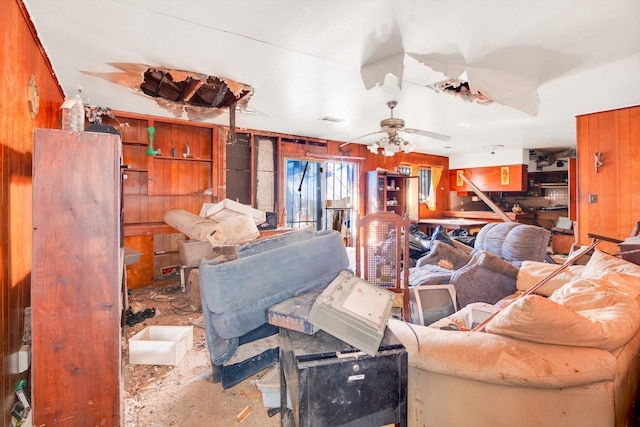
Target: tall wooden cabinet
393 192
76 279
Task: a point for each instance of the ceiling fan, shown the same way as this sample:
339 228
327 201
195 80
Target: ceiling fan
392 142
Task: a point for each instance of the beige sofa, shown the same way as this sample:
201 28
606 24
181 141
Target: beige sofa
567 356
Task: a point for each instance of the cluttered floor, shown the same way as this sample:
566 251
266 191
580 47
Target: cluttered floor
184 394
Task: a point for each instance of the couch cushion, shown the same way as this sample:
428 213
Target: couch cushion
583 313
532 272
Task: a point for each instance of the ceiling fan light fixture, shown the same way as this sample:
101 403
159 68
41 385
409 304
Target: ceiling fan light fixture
390 150
392 144
408 147
374 148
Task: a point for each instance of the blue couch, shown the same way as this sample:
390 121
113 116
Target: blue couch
236 294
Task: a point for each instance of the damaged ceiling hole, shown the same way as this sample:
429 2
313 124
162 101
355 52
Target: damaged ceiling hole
198 94
206 91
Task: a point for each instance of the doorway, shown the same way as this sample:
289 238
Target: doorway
321 194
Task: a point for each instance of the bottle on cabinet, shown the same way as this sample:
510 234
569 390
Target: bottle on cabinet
73 114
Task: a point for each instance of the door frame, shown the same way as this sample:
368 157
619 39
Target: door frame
323 161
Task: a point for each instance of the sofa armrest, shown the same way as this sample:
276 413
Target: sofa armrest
496 359
443 251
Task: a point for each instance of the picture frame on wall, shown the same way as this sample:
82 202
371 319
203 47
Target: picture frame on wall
504 175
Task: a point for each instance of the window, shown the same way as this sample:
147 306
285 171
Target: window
424 177
405 169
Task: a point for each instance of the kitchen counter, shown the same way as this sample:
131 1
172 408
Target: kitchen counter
548 218
526 218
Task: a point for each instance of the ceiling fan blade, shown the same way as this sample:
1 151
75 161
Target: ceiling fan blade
435 135
360 137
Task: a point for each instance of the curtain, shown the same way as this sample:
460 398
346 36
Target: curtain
436 173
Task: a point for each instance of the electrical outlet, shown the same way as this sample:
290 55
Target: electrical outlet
593 198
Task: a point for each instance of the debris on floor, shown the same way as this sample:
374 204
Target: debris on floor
184 394
133 318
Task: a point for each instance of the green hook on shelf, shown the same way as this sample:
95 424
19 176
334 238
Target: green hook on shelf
150 151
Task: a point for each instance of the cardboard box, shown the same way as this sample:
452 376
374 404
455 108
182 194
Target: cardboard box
269 386
561 243
192 289
160 345
192 251
185 271
131 256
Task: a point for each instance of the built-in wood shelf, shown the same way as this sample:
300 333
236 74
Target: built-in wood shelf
190 159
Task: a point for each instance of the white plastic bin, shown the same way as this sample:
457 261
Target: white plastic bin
160 345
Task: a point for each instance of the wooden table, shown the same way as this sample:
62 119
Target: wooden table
450 224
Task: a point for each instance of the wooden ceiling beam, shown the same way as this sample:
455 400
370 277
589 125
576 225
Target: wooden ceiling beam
192 87
224 89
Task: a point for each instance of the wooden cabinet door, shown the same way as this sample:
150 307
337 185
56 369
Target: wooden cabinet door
607 197
75 282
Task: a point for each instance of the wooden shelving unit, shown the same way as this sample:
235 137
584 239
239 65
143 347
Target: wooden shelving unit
392 192
155 184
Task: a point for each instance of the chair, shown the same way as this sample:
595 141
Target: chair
382 251
488 272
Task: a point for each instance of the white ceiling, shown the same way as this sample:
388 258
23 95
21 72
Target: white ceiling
304 59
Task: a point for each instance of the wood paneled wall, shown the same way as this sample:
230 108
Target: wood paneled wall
616 184
22 56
